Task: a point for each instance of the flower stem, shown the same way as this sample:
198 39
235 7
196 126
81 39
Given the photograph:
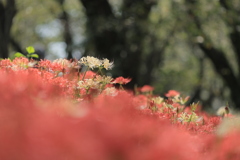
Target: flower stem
85 73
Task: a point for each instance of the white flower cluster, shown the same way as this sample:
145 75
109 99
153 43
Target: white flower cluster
103 79
96 83
93 62
88 83
185 117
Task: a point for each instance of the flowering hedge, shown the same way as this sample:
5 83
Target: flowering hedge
63 110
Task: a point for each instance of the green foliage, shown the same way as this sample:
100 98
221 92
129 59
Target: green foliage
30 49
30 53
33 55
18 54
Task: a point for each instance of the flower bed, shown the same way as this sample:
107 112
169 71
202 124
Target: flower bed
53 110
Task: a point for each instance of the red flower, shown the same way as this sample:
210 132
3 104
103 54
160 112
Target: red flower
89 75
172 93
5 63
141 101
146 88
44 64
121 80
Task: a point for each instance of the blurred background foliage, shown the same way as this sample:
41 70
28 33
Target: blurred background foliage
191 46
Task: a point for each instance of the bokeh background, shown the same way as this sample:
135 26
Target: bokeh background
192 46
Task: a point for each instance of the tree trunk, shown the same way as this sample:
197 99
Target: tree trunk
217 57
118 38
224 69
7 13
233 21
67 33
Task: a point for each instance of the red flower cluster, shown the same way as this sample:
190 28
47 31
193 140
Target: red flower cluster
45 114
172 93
121 80
146 88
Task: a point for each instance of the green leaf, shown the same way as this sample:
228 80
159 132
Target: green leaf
30 49
18 54
34 56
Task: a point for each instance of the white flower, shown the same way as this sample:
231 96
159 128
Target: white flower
158 100
106 64
91 62
104 79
